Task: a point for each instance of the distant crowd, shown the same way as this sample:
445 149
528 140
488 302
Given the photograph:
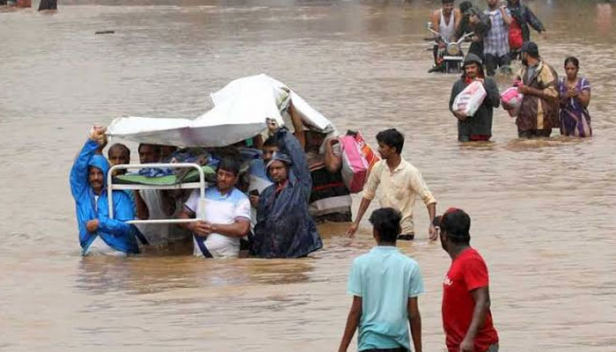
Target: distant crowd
501 34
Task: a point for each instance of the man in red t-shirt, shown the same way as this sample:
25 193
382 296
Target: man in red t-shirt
467 319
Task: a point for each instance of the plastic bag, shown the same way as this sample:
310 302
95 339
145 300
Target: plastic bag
511 100
367 152
357 161
470 99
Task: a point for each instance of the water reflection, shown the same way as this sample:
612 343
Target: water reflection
159 273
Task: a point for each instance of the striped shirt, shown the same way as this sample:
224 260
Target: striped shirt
496 41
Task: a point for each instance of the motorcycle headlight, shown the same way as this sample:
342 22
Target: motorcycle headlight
453 49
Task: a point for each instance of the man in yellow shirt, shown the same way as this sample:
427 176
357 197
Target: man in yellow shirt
401 183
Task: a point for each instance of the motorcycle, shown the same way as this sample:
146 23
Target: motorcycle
449 57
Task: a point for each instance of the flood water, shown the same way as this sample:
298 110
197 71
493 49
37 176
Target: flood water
543 211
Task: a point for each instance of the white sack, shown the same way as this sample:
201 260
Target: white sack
470 99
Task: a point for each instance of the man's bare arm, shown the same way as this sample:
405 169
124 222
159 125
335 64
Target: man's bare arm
351 324
481 296
239 228
415 322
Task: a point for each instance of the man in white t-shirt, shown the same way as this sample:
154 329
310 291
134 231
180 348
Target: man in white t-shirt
224 215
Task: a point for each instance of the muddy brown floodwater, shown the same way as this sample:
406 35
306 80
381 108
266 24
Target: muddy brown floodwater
543 211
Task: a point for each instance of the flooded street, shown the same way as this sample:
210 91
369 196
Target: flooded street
544 212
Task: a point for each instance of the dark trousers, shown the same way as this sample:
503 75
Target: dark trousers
528 134
492 62
477 49
406 236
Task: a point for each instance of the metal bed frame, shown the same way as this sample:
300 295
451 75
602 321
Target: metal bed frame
201 185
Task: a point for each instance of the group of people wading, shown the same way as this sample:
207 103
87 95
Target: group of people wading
385 283
273 199
263 193
502 33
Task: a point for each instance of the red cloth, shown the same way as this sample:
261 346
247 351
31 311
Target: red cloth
467 272
515 35
480 137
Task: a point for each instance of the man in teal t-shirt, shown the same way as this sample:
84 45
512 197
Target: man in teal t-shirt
385 285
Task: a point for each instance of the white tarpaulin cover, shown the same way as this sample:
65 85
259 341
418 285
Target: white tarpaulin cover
240 112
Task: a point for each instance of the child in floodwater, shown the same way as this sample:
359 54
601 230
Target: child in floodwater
385 285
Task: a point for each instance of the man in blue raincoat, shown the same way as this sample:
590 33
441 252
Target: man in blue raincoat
98 234
284 228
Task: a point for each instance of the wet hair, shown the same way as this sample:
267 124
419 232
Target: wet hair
573 60
386 222
155 146
392 138
271 142
465 5
230 165
120 146
456 224
447 1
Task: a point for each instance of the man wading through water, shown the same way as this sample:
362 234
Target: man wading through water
444 21
400 184
539 84
385 285
467 318
479 126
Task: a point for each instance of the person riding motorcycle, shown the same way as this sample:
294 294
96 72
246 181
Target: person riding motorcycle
445 21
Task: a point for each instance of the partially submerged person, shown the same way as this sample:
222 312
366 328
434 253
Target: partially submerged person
522 17
270 146
153 203
166 151
473 21
330 200
149 153
400 184
119 154
479 126
574 100
284 227
385 285
496 40
444 21
539 84
467 319
258 178
98 233
224 215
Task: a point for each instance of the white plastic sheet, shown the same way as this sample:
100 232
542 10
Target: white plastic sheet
240 112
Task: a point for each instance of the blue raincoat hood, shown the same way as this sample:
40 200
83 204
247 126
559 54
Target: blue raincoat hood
101 163
279 156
